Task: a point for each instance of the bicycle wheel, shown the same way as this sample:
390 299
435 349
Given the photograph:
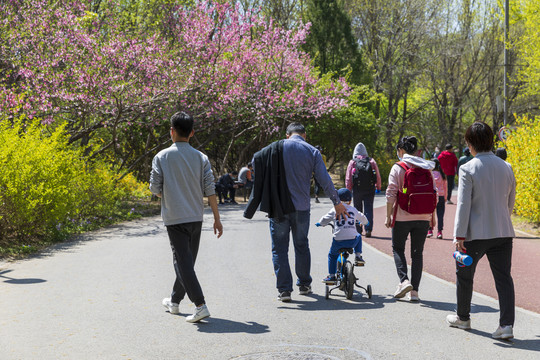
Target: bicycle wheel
350 280
327 292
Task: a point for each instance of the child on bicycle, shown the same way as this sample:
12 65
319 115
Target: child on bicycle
345 234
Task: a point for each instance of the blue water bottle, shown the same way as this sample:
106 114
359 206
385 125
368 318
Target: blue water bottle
463 259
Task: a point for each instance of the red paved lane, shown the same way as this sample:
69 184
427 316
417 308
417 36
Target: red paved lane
438 260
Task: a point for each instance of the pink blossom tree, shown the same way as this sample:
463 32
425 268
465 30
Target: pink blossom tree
239 74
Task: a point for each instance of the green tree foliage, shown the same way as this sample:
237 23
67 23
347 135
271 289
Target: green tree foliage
331 42
339 133
526 16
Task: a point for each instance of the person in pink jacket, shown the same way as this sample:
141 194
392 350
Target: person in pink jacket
363 194
405 223
440 183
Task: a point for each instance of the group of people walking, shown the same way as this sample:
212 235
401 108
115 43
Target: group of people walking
182 176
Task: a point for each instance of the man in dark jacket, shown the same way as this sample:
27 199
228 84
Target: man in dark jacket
226 187
283 173
449 161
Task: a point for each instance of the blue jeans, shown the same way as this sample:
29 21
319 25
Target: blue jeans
298 223
333 254
363 202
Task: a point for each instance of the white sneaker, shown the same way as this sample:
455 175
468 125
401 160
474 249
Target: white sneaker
200 313
504 333
413 296
454 321
403 289
173 307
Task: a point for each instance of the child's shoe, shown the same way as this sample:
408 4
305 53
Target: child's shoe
330 280
430 233
359 261
439 235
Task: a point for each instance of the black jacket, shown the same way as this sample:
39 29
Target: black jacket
270 188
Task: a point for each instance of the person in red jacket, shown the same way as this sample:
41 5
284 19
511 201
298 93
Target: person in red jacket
449 161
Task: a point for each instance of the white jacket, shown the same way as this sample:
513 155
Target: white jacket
344 229
486 196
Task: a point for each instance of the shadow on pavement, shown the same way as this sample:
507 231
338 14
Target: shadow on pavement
11 280
451 306
223 326
525 344
338 302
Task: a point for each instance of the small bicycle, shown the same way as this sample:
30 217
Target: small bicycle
345 278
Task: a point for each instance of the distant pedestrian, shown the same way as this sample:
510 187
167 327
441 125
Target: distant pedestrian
404 223
440 181
501 152
245 176
282 185
363 179
465 158
483 226
181 176
449 164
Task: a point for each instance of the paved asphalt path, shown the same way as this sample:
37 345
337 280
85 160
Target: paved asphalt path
99 297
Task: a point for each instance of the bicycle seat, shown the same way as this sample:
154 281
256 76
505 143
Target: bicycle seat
346 250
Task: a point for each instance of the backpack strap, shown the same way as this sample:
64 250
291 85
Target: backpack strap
403 165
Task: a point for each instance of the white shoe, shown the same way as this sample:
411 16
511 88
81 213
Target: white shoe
504 333
173 307
403 289
200 313
454 321
413 296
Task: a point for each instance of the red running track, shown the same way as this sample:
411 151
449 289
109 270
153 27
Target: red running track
438 259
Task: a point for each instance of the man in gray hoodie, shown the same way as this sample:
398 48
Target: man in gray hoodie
181 176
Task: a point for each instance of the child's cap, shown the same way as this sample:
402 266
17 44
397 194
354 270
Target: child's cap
344 194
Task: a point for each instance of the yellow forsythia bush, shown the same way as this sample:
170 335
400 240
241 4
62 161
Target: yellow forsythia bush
47 188
523 146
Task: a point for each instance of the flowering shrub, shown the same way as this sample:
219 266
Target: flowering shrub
523 147
117 85
46 187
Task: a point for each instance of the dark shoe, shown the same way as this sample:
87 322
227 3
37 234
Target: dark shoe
221 203
359 261
368 233
305 290
330 280
317 200
284 296
234 202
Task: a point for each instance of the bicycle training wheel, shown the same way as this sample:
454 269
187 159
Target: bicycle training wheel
350 280
327 292
369 293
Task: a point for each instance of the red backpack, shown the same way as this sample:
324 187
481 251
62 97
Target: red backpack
418 195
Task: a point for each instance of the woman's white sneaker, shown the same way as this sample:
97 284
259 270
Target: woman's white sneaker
403 289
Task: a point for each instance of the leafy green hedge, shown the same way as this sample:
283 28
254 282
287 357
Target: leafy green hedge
48 190
524 154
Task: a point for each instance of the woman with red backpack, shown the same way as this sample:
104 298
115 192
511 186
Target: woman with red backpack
411 199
